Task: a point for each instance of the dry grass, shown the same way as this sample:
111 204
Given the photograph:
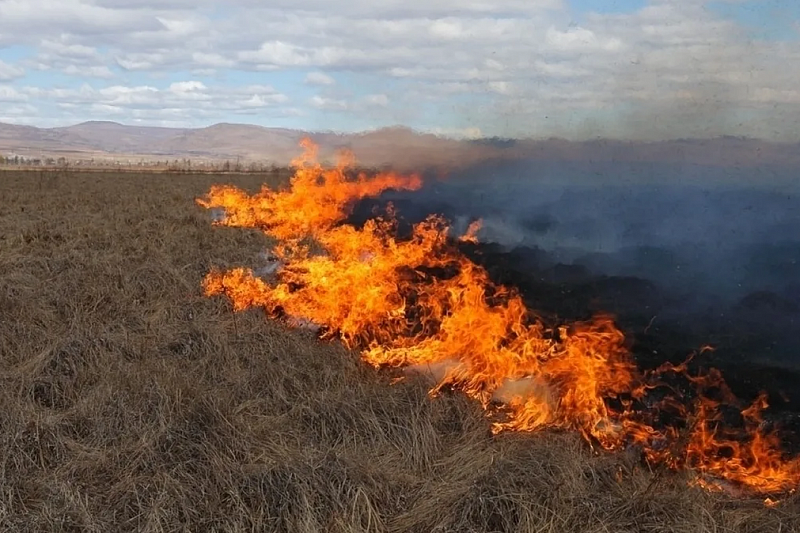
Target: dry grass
132 403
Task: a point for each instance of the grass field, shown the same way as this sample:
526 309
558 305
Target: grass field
131 402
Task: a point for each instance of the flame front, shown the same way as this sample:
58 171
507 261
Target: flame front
420 304
318 197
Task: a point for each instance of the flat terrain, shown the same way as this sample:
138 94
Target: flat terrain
130 402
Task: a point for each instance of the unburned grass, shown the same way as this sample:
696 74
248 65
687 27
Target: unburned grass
130 402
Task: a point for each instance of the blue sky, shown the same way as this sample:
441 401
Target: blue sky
538 68
764 19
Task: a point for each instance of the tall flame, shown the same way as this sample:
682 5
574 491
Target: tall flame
317 200
419 303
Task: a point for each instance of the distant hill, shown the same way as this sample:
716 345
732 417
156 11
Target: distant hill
396 146
113 137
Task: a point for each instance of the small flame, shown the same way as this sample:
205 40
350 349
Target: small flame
471 234
769 502
420 304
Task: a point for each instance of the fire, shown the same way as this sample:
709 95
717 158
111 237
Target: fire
471 234
318 198
420 304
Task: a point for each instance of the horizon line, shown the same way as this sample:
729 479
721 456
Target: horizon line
413 130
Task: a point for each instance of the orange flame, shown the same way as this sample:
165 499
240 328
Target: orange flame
317 199
419 303
471 235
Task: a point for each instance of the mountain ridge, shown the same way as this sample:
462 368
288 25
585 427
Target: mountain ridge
395 145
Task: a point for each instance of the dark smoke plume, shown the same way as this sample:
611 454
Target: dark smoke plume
709 253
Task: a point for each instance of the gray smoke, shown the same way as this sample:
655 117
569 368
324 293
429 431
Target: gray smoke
713 232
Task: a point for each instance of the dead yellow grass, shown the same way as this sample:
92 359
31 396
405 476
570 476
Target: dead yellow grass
130 402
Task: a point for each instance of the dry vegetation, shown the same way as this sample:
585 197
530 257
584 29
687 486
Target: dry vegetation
130 402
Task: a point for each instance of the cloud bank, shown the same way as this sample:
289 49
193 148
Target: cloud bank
660 69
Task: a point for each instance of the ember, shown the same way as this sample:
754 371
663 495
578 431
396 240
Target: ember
421 304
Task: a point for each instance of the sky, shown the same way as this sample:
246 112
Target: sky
630 69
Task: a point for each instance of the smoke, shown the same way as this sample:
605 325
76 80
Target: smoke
716 232
691 253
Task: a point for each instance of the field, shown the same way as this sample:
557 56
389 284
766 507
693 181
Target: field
131 402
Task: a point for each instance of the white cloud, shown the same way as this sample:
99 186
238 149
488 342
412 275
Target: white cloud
580 40
188 102
501 87
96 71
277 54
328 104
514 66
319 78
184 87
107 109
379 100
33 18
21 109
10 94
10 72
210 59
142 61
446 29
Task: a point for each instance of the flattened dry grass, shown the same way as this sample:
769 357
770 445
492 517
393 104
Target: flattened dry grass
130 402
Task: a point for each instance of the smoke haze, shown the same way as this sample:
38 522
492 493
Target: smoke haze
712 251
719 231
